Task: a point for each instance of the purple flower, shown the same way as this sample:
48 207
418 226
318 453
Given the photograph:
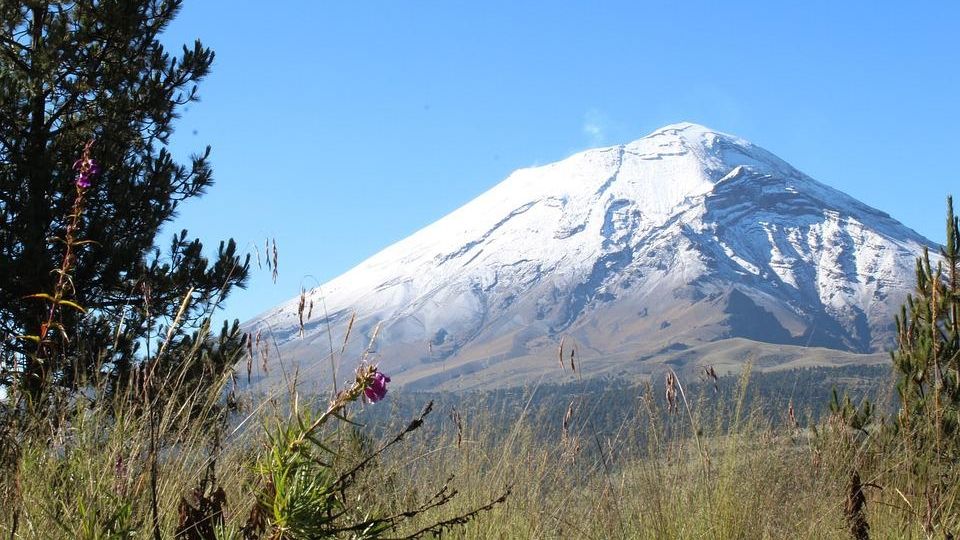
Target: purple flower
83 180
377 389
87 169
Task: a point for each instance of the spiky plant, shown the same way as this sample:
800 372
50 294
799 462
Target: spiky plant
927 363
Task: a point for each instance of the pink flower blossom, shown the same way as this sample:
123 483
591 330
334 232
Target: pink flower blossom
377 389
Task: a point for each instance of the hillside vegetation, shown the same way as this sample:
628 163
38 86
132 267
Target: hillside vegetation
612 462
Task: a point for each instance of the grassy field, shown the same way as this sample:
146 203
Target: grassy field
693 464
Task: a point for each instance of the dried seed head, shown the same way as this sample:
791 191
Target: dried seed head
263 349
458 422
566 419
709 373
301 307
249 342
275 261
855 509
560 353
671 392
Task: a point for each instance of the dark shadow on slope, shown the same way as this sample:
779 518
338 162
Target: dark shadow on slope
748 320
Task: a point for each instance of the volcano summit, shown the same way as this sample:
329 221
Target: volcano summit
687 246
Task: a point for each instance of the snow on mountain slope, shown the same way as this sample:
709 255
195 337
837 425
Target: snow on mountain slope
684 237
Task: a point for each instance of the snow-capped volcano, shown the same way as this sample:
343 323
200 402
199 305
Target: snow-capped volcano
682 238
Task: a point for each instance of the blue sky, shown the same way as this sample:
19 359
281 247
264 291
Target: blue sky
339 128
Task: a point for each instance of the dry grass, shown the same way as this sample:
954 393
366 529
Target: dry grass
701 468
715 471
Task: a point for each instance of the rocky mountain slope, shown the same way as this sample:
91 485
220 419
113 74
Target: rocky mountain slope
664 248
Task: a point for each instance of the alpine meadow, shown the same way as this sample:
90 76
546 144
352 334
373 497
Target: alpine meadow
468 271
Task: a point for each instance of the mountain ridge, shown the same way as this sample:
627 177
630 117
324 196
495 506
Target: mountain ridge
687 236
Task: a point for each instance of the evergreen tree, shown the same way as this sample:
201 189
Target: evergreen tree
927 362
928 334
95 70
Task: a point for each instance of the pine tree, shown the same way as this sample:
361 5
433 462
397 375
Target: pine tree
928 334
95 70
927 363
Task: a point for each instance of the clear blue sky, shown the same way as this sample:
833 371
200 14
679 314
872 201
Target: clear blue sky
340 127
